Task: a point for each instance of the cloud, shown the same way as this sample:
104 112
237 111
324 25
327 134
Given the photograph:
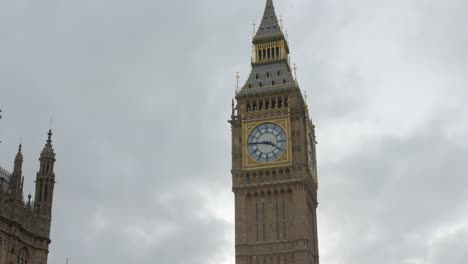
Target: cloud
140 93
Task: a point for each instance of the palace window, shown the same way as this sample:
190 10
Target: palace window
23 256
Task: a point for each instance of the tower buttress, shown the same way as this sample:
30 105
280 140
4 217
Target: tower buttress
45 180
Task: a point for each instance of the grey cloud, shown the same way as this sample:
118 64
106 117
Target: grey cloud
140 94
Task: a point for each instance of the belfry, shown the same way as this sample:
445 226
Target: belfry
274 166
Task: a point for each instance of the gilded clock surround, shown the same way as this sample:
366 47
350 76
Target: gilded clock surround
285 159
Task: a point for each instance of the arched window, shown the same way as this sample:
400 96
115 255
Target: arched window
268 75
1 249
280 103
23 256
259 54
273 104
273 82
248 107
277 52
254 106
264 53
269 54
267 104
284 81
256 76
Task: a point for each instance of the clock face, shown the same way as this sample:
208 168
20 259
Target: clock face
267 142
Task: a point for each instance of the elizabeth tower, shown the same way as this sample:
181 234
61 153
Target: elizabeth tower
274 166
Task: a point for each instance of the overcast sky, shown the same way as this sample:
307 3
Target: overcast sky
140 94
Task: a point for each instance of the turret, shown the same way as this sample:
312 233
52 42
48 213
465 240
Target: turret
45 180
16 182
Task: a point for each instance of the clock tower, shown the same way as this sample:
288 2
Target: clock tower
274 166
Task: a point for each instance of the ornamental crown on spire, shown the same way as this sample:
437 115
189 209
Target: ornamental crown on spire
270 58
48 151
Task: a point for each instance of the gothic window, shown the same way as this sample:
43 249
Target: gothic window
256 220
273 82
284 220
259 54
260 105
273 104
248 107
269 54
254 107
278 73
267 104
264 53
45 193
256 76
277 52
286 102
263 222
277 222
40 192
23 256
284 81
268 75
260 84
250 86
280 103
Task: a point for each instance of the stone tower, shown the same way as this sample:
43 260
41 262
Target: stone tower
274 167
25 226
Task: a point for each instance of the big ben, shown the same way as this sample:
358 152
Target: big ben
274 165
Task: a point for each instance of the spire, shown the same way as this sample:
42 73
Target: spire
16 182
269 27
17 169
19 155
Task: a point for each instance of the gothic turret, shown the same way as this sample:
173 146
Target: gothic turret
16 182
45 179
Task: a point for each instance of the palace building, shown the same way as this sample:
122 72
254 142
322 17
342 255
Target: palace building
25 225
274 165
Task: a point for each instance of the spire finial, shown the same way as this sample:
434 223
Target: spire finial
237 77
305 97
295 71
49 139
254 27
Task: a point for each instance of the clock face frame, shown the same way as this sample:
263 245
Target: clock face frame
267 142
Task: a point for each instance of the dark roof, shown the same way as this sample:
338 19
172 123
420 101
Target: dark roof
269 77
269 27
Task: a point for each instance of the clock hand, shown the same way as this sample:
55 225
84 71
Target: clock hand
262 142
